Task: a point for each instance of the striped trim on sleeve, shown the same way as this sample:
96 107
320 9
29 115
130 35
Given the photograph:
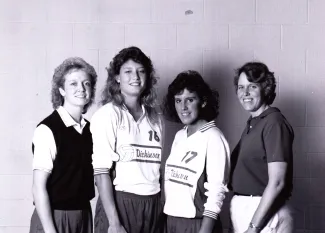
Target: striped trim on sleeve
210 214
98 171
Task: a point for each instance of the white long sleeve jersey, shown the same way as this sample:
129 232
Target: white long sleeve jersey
135 147
195 163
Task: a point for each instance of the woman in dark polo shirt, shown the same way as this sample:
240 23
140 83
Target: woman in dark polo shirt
261 163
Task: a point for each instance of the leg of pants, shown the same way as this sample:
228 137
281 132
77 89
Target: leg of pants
100 221
138 214
188 225
66 221
242 209
286 221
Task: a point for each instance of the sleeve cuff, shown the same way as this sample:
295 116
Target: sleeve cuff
210 214
42 169
98 171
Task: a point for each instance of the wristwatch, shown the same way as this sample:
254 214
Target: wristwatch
253 226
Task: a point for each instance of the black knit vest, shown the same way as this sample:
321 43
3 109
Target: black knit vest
71 184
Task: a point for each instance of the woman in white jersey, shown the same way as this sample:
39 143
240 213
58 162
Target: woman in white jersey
199 158
127 137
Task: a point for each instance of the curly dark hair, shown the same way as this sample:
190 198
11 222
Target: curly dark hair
112 91
259 73
66 67
193 82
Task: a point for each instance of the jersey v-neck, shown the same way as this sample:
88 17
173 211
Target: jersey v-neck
203 128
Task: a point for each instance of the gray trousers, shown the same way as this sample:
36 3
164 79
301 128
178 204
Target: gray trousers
66 221
138 214
188 225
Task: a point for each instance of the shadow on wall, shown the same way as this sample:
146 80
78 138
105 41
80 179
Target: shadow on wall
171 129
285 103
220 78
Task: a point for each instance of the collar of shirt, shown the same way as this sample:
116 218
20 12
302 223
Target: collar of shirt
263 114
252 121
143 110
69 121
204 127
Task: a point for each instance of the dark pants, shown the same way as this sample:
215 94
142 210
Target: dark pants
66 221
137 214
188 225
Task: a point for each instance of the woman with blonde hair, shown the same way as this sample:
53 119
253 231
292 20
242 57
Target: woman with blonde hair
63 183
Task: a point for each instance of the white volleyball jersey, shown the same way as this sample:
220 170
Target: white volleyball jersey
135 146
196 164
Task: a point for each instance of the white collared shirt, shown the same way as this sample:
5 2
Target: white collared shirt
44 143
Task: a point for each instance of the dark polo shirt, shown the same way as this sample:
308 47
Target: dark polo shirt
267 138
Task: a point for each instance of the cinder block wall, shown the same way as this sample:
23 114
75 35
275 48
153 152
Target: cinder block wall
211 36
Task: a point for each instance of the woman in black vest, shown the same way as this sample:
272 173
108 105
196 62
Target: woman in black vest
261 174
62 146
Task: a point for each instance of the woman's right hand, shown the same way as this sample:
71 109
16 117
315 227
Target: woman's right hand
116 229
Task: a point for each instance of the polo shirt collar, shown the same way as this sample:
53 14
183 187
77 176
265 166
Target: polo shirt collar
68 120
264 114
143 110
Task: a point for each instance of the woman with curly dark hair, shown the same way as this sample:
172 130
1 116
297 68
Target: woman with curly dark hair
261 174
199 158
63 183
127 136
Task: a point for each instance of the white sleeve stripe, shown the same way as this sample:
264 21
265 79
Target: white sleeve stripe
210 214
42 169
101 171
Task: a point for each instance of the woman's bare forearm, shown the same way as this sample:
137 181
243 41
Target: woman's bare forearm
106 193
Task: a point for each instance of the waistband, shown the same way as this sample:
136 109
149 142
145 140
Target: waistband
126 195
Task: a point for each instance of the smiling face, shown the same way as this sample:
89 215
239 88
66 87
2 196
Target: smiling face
188 106
76 89
250 95
132 78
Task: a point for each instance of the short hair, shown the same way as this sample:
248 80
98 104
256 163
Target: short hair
193 82
112 91
67 66
259 73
